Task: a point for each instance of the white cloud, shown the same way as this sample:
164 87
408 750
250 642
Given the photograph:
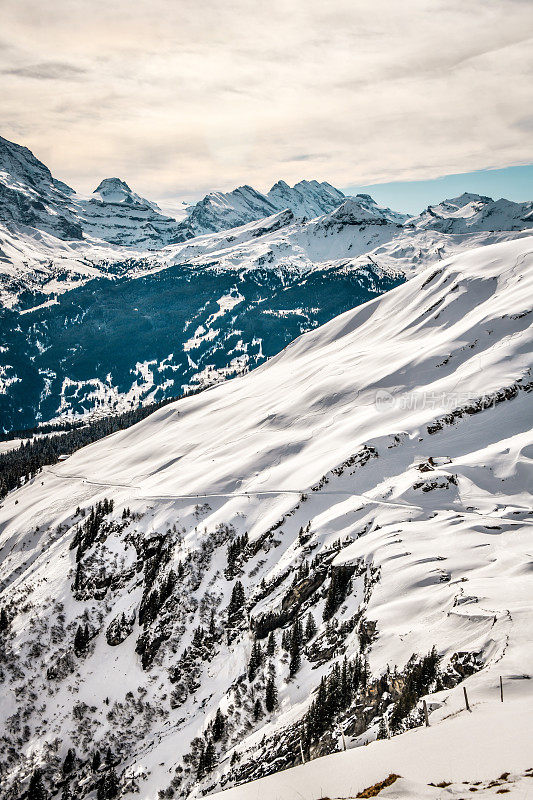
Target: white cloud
181 97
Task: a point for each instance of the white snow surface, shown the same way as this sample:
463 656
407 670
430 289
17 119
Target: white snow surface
283 446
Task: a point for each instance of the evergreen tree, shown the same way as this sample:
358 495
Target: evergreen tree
339 586
198 637
112 784
286 639
97 760
235 550
80 640
333 697
271 695
108 785
200 769
382 730
36 790
346 684
218 725
295 648
4 620
271 644
310 627
69 762
236 606
210 756
258 710
256 659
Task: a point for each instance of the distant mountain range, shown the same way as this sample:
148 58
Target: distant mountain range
109 302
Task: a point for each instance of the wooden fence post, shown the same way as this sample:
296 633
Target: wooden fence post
343 739
466 699
302 752
426 714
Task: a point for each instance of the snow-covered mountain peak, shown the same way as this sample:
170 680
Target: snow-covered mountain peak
361 210
354 212
307 199
465 198
19 166
114 190
280 185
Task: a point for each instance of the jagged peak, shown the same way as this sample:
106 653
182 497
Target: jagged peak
6 146
281 184
353 212
20 164
113 185
468 197
117 191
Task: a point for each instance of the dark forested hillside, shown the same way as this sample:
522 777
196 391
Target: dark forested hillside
114 344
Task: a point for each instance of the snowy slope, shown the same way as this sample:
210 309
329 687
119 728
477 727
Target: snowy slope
487 751
391 446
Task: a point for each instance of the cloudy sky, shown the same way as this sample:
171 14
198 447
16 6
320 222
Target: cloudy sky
183 96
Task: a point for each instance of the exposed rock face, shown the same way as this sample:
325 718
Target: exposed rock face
30 197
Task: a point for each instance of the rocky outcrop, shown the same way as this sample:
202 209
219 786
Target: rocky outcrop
119 629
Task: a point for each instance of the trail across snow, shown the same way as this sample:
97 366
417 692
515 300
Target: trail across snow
297 492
